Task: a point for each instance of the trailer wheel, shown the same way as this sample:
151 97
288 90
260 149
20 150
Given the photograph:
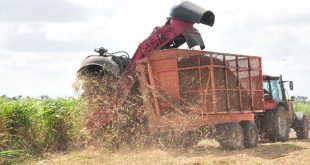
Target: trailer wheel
301 126
278 125
250 133
188 139
230 136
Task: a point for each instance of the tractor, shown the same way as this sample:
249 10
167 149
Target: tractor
279 116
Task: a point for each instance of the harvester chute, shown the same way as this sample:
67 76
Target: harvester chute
177 30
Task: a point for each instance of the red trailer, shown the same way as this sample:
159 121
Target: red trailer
187 89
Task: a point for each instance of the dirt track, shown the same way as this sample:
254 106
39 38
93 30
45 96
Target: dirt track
291 152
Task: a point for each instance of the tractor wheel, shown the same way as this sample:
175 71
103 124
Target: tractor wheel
302 129
230 136
250 133
278 125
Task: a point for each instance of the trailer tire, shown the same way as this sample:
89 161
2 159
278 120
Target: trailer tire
188 140
301 126
230 136
250 133
278 125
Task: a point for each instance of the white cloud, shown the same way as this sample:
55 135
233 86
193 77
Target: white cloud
40 11
24 28
36 74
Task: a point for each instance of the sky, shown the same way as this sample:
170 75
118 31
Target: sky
42 42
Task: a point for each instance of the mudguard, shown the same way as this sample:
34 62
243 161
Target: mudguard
193 38
190 12
100 62
298 119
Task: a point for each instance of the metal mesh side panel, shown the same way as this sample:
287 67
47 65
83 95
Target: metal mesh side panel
237 82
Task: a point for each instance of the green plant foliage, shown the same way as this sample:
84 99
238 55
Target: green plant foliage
303 106
36 125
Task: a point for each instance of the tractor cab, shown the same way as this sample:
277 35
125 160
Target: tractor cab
274 89
275 93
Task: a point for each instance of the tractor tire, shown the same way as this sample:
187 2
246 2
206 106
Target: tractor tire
230 136
250 133
302 129
278 125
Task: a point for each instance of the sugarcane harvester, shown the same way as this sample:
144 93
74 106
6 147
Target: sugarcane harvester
190 89
178 29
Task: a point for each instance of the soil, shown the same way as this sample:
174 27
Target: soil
208 152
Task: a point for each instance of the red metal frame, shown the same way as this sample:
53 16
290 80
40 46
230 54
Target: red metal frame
160 37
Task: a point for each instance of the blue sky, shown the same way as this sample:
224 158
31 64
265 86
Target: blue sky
43 42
